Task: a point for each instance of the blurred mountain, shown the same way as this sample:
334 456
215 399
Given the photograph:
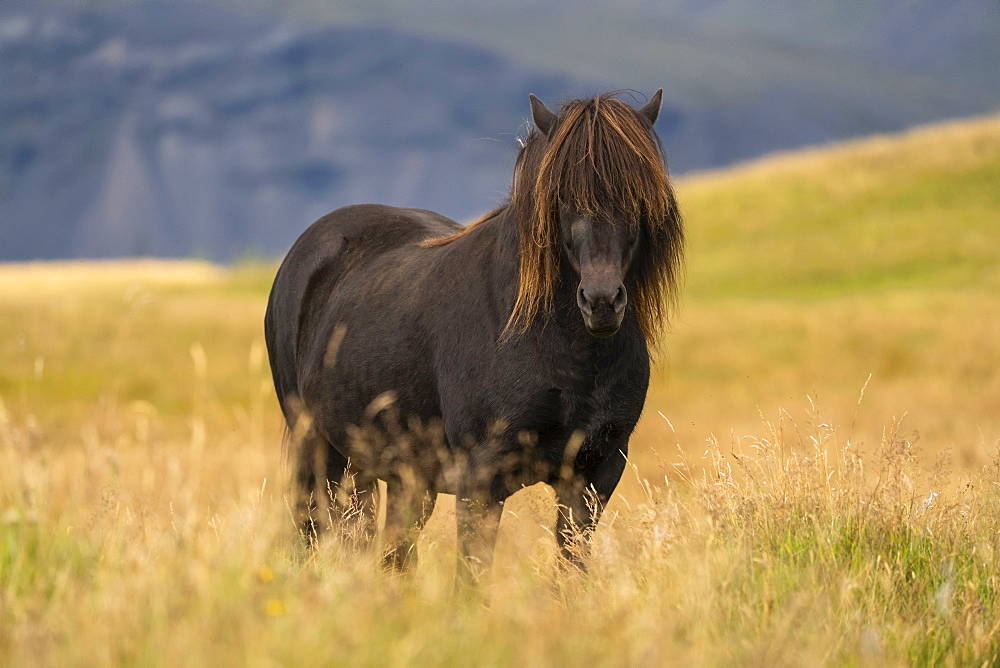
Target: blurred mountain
145 130
194 128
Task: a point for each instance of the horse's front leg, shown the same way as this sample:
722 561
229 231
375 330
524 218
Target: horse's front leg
581 498
478 507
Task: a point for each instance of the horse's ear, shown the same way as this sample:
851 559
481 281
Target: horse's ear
540 114
652 109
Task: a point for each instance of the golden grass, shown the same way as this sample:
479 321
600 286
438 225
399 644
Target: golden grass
770 518
786 547
23 277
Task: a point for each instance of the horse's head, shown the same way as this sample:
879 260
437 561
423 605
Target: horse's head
600 253
600 193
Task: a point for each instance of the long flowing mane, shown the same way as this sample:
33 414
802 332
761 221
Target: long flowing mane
604 159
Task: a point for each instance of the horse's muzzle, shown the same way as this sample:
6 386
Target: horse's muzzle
603 333
602 309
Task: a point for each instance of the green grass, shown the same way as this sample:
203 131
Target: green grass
776 517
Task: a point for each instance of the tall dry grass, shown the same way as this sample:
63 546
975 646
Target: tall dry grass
785 546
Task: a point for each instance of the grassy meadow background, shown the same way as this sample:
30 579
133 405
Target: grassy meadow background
815 477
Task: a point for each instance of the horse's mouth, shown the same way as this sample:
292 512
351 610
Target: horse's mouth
604 332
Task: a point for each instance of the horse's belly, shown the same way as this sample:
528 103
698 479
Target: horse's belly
374 397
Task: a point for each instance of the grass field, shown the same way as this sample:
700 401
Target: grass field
815 477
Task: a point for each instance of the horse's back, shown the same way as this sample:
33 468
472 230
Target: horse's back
329 249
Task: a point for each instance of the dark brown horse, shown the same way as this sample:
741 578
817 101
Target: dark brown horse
478 360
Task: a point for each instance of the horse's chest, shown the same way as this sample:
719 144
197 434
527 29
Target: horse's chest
581 396
598 409
598 398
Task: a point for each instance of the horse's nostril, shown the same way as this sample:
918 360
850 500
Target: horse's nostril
583 302
601 299
621 298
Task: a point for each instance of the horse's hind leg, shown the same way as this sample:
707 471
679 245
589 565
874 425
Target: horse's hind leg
407 507
330 493
310 497
354 496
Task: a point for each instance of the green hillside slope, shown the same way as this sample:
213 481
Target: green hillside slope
920 210
810 271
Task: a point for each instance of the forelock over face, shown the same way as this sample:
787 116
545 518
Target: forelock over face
601 158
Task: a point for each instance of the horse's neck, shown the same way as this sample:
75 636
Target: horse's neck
498 237
507 239
501 236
